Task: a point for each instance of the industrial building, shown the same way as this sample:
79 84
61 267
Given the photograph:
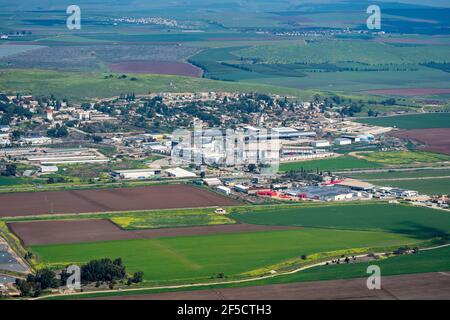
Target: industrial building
212 182
48 169
356 185
180 173
224 190
47 156
320 143
241 188
36 140
342 142
136 174
328 193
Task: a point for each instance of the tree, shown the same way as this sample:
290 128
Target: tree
137 277
24 287
10 170
58 131
45 278
104 270
16 134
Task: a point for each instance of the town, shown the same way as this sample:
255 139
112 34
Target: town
130 138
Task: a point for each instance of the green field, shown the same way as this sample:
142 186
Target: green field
404 157
418 222
425 186
425 261
437 260
15 181
340 163
401 174
348 66
416 121
343 51
431 182
78 86
201 257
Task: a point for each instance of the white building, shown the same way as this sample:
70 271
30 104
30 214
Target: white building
212 182
342 142
36 140
320 143
5 128
48 169
224 190
135 174
180 173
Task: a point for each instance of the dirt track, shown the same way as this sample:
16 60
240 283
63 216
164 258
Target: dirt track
55 232
109 200
435 140
402 287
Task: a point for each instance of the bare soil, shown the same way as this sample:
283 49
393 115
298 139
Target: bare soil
109 200
424 286
434 140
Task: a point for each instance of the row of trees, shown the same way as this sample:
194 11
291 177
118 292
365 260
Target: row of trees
95 271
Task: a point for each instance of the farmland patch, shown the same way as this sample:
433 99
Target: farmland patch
156 67
109 200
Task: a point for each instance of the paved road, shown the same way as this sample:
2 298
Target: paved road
404 287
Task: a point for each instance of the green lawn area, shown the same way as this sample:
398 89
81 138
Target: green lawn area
422 223
340 163
416 121
425 186
202 257
169 219
404 157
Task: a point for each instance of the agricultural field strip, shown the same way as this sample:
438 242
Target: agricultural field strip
224 282
408 179
394 170
433 285
398 218
411 121
80 231
233 209
421 233
107 200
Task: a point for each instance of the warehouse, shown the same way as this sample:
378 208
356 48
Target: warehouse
320 143
36 140
356 185
212 182
342 142
333 193
136 174
180 173
48 169
224 190
241 188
